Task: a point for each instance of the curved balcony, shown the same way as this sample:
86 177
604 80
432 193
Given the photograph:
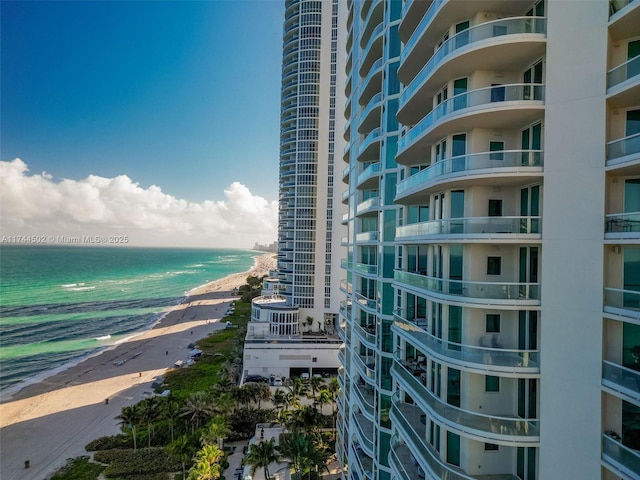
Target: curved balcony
345 218
621 381
623 152
374 15
493 428
373 49
624 18
406 418
341 356
481 359
412 12
472 230
402 461
370 148
366 302
370 176
360 463
417 35
366 396
620 459
370 206
622 303
622 226
347 109
368 373
481 293
345 174
366 237
366 269
499 107
526 164
345 197
364 429
367 338
372 83
367 120
506 44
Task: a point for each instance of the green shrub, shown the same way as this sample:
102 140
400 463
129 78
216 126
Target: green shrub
80 468
126 463
110 442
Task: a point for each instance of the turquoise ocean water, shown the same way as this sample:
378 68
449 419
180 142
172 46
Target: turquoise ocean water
59 304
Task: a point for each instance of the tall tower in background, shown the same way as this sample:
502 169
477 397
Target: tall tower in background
491 320
311 114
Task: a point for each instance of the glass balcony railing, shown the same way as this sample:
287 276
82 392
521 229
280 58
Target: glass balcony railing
371 171
470 290
622 302
341 357
488 97
487 357
620 456
373 136
367 236
484 31
622 379
367 205
622 223
368 369
471 226
366 268
367 337
344 263
616 5
622 147
401 462
372 38
373 103
622 73
488 426
361 464
345 217
365 428
375 68
366 396
365 301
346 170
474 163
420 29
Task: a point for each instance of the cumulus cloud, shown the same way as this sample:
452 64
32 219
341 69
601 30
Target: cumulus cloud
34 204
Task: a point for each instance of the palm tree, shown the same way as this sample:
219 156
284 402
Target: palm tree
262 392
261 455
218 429
305 418
323 398
279 399
315 383
297 447
204 471
197 407
150 412
129 419
333 387
182 450
171 412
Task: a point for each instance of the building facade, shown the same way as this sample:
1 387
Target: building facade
308 242
491 321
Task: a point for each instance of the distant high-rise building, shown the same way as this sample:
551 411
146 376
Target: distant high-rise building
311 114
491 320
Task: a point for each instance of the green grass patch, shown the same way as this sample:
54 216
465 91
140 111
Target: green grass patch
80 468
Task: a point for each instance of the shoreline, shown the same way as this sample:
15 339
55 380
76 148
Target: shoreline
51 420
7 394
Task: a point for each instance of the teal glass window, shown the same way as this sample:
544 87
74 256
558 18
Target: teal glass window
497 150
491 384
494 265
492 323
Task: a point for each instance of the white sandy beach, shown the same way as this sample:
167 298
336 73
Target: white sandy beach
48 422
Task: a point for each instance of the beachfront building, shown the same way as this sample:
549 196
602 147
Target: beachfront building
491 323
292 325
309 215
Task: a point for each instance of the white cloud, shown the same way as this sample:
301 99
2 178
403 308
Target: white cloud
36 205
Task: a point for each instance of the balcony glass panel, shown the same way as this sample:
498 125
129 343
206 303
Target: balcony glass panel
625 146
622 379
368 337
365 394
367 302
366 268
376 31
616 5
622 302
485 31
491 426
373 103
489 357
623 223
371 203
372 170
471 226
367 236
464 289
404 417
367 371
489 97
420 29
620 456
375 68
622 73
463 164
365 427
372 137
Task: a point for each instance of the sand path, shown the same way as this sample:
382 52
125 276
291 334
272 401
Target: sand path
51 421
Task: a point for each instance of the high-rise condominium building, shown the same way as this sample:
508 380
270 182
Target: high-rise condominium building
491 325
311 113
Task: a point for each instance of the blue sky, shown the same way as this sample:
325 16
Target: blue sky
181 95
